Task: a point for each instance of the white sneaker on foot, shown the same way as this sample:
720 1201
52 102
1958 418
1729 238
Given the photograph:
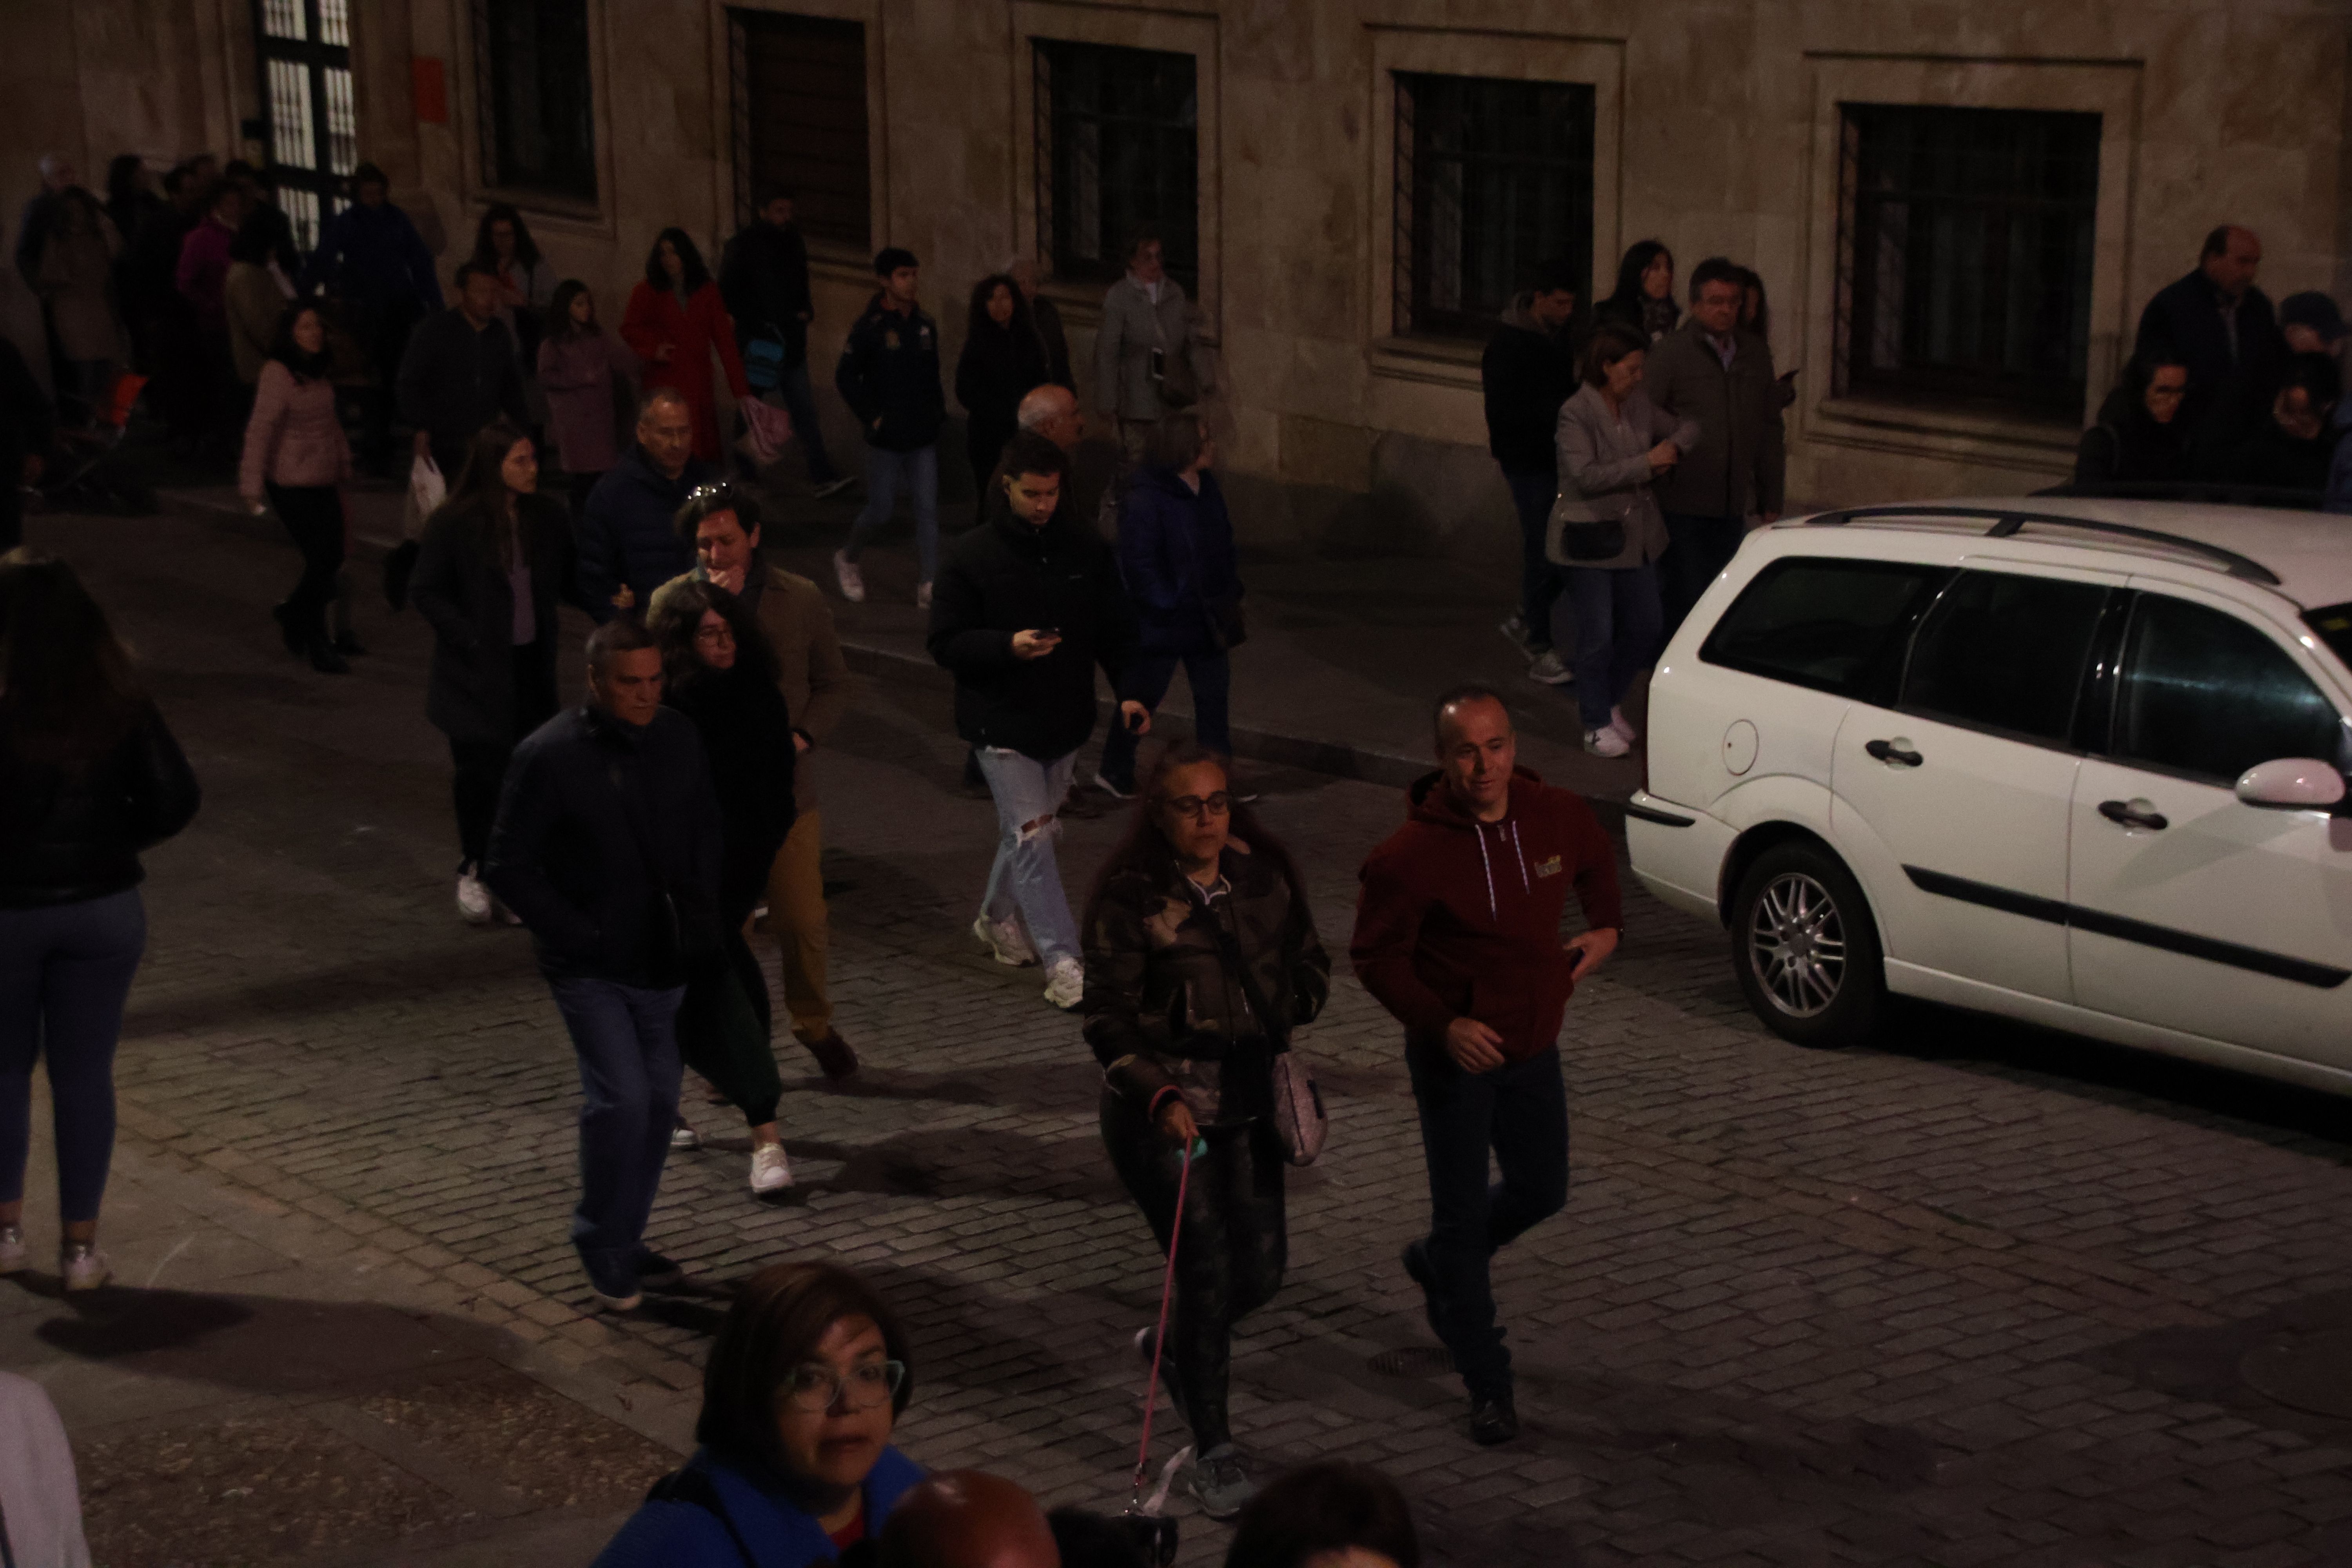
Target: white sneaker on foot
14 1258
1606 742
1623 725
832 487
684 1137
1066 983
1546 667
85 1267
852 580
1111 789
473 900
1007 942
771 1171
922 595
1516 628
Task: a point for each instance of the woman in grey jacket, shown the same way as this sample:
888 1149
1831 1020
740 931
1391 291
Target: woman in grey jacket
1607 531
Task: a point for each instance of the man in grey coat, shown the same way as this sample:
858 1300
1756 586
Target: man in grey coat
1146 353
1709 372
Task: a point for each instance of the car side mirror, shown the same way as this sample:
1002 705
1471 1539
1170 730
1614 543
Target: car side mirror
2293 784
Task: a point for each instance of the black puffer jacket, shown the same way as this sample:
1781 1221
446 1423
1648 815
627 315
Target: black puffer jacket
1163 1007
72 832
890 377
463 593
1006 576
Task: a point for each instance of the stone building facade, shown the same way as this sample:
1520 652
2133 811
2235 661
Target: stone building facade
1357 180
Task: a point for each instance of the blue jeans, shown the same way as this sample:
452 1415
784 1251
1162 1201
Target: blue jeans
1539 576
792 391
917 473
626 1039
1702 547
1212 679
1520 1111
1617 635
64 971
1026 879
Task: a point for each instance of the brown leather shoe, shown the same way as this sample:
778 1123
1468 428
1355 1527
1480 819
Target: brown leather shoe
833 1056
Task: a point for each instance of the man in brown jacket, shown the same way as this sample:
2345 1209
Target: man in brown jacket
1710 372
722 524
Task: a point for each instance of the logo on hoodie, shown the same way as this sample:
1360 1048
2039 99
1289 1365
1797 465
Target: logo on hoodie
1548 868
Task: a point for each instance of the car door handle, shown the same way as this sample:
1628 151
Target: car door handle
1889 752
2128 814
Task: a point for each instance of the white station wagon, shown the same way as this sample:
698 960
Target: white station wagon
2080 763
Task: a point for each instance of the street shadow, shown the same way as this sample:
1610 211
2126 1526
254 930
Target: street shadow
960 1162
392 980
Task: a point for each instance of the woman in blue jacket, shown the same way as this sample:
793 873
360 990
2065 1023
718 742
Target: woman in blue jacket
1176 553
805 1379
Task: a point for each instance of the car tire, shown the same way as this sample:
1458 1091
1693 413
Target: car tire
1806 949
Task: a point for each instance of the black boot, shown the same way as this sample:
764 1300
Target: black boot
1493 1418
326 660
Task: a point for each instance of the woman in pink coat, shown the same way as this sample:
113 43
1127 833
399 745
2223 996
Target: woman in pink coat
296 456
674 322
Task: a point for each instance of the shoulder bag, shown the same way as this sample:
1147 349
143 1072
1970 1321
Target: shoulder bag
1299 1114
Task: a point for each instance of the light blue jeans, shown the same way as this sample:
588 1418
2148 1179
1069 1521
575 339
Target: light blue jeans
1026 879
887 475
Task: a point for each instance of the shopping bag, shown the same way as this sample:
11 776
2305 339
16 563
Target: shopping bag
426 491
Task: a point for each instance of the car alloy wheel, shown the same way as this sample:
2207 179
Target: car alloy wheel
1796 943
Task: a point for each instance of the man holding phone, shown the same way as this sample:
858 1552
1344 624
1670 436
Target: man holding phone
1025 607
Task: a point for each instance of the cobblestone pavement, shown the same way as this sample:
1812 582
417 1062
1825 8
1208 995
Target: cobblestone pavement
1982 1295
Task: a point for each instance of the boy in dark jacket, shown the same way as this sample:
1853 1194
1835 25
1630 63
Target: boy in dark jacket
1028 604
1457 934
607 846
890 377
1528 370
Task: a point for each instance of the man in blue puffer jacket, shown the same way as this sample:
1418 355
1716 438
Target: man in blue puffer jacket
626 534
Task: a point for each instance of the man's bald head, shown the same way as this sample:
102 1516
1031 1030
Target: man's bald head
965 1518
2232 254
1053 412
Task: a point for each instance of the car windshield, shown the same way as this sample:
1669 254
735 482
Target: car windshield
2334 625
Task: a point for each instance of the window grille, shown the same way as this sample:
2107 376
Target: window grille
1117 141
312 122
800 119
532 75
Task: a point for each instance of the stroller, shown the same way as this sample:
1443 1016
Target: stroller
85 472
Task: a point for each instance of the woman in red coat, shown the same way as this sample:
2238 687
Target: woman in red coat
674 320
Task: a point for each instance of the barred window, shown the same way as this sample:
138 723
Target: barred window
800 119
1492 178
309 111
1964 254
1118 149
530 60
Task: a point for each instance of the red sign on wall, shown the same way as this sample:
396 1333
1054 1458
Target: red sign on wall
430 89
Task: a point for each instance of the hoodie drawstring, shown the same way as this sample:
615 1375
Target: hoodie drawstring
1525 886
1480 829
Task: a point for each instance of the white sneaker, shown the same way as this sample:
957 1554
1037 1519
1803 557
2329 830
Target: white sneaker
1066 983
1111 789
505 915
852 580
1007 942
770 1171
14 1258
1623 725
473 900
1606 742
1516 628
922 595
1546 667
85 1267
684 1137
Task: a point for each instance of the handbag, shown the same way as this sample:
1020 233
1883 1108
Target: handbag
1299 1115
1180 387
1588 539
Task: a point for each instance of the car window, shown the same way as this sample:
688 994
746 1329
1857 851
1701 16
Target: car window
2004 651
2334 625
1823 623
2205 693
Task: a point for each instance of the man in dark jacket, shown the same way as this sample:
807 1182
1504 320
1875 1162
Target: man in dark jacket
2215 321
1713 373
372 260
607 846
890 377
764 279
1528 370
1028 604
1457 934
459 373
627 535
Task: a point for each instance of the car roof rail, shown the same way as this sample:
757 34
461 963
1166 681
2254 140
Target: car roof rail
2205 492
2007 520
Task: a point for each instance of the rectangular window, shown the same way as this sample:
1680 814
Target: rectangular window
2206 695
530 60
2005 653
306 104
1117 150
1964 255
800 121
1830 624
1492 178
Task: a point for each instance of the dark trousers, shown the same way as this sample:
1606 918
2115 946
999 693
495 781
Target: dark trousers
626 1039
1702 547
313 515
1539 576
1230 1256
723 1031
1211 677
65 969
478 767
1520 1111
385 332
792 391
1617 635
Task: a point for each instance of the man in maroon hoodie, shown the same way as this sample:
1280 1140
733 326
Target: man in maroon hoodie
1458 934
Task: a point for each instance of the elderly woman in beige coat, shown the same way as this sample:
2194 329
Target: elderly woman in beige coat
1607 531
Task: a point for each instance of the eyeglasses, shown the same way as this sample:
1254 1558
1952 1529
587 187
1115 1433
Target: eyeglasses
816 1389
714 634
1218 804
